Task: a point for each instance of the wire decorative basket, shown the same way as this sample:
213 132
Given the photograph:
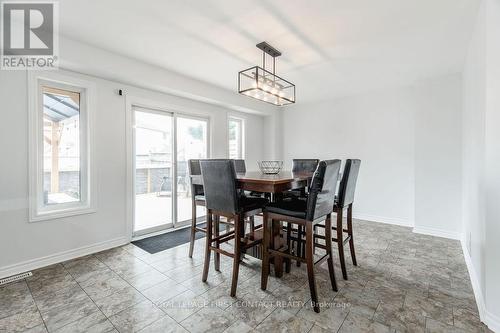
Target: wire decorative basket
270 167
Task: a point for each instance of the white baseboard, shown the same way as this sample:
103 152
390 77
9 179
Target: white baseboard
491 320
60 257
437 232
382 219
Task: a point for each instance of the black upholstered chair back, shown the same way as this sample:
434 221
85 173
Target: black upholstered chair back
239 166
348 182
219 181
322 189
304 165
195 170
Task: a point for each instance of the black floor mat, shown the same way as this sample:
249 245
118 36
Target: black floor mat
168 240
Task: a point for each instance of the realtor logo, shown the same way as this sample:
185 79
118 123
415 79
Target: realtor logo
29 35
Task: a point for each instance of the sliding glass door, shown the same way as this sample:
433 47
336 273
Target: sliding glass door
154 162
192 143
163 143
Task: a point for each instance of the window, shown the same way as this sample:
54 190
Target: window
59 148
236 135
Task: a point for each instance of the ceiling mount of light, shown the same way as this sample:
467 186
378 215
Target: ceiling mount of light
259 83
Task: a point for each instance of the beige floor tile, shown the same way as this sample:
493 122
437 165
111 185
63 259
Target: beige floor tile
136 317
239 327
146 280
208 320
164 291
119 301
58 317
164 325
28 318
358 323
404 282
106 288
183 305
96 322
281 320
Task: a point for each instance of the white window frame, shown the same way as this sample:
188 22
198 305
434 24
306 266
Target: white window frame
87 204
241 138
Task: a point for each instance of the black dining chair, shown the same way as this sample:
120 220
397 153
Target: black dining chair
305 213
344 201
304 165
240 166
197 199
222 198
307 165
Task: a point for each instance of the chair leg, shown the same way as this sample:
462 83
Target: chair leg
288 234
276 243
193 229
289 246
239 223
315 228
328 244
265 254
217 243
349 232
303 247
340 243
299 244
252 224
310 266
207 246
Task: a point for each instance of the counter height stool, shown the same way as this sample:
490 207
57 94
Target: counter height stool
222 198
240 166
197 199
307 165
343 202
304 213
304 165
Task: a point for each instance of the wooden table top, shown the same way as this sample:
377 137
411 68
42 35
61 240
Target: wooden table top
259 182
280 178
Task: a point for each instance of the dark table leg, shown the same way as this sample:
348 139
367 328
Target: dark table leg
276 241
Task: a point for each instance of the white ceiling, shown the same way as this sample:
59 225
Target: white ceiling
330 48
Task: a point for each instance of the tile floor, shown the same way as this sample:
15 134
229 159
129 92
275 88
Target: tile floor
404 282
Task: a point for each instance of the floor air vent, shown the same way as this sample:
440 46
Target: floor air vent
15 278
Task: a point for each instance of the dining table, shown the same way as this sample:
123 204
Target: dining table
273 185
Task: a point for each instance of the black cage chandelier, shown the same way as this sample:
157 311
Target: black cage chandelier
259 83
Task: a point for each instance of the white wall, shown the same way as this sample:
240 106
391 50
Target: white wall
394 132
473 152
438 156
492 161
26 245
481 160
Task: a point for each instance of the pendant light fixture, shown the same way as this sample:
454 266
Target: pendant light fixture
259 83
